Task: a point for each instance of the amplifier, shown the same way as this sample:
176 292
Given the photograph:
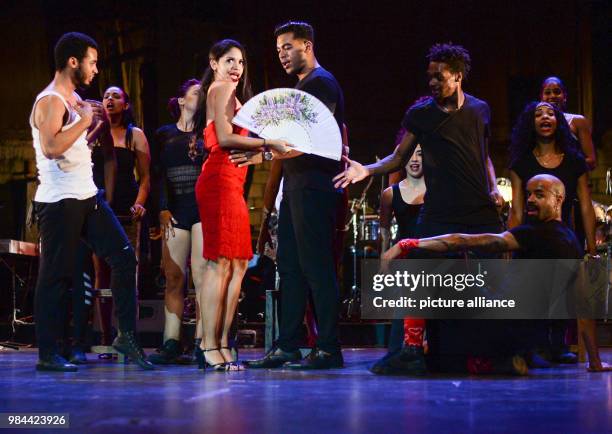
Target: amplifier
150 315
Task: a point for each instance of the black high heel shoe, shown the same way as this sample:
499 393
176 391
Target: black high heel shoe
222 366
233 365
198 355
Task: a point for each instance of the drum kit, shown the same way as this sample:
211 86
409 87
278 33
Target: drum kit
364 227
603 241
603 236
603 225
363 224
603 221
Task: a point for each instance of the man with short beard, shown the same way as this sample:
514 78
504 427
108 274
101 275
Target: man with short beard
307 219
69 207
543 236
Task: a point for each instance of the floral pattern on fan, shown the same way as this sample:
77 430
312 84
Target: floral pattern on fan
288 107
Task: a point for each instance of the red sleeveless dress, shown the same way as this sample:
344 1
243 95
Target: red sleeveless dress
220 197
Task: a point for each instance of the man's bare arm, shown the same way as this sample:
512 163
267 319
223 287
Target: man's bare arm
490 243
356 172
291 154
48 118
397 159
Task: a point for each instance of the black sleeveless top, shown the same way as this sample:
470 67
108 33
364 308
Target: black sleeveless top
97 158
406 215
126 187
178 171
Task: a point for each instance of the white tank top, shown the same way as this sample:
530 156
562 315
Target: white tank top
69 176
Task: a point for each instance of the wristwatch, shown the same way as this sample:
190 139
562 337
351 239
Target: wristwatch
267 154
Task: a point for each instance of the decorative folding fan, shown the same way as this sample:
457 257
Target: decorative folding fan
294 116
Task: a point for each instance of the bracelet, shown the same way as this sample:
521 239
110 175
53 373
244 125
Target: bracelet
408 244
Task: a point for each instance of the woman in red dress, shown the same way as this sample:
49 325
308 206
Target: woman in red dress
220 198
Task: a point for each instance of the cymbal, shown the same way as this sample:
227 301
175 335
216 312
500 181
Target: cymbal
354 205
600 211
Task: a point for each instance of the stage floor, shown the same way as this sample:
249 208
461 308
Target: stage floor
106 397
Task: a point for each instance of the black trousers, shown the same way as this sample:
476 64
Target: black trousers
451 341
62 225
306 230
81 296
396 336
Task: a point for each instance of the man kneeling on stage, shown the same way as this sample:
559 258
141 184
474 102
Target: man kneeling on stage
544 236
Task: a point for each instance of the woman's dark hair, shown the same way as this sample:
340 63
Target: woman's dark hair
73 44
402 131
524 138
173 104
243 91
556 80
127 117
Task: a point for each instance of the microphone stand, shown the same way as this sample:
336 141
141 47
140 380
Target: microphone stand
355 298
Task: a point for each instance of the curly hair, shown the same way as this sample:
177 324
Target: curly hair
524 137
455 56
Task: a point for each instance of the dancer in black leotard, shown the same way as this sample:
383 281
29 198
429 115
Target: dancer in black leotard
180 164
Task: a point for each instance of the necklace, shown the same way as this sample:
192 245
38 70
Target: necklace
550 160
452 109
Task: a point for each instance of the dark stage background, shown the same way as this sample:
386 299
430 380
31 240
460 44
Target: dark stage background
375 49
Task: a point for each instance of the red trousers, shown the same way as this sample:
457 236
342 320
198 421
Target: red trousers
413 331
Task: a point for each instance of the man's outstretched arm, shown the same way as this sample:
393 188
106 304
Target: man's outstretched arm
355 171
490 243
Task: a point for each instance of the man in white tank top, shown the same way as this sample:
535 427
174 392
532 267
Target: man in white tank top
68 207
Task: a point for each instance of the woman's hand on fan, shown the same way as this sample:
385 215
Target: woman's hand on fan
353 173
242 158
279 146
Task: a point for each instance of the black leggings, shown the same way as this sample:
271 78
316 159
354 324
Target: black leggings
62 225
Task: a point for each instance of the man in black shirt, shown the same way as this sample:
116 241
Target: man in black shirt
307 219
453 130
543 236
